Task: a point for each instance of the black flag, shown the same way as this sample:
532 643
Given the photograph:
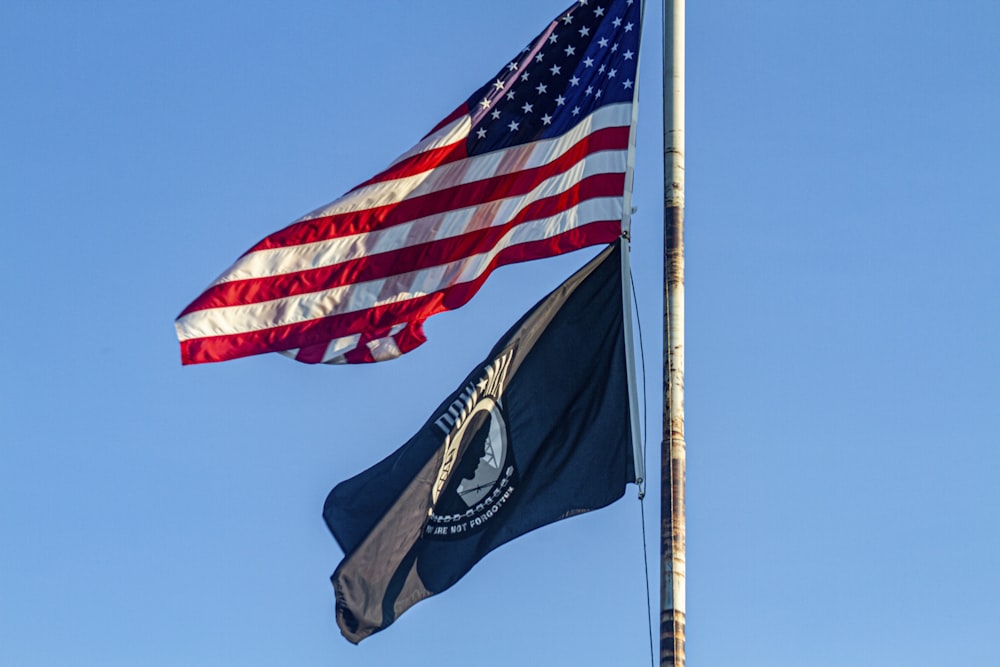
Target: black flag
536 433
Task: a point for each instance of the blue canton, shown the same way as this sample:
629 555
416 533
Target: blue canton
587 58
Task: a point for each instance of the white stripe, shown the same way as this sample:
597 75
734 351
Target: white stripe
340 346
384 349
517 158
350 298
278 261
592 210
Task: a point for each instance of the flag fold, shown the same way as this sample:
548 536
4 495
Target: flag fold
538 432
532 165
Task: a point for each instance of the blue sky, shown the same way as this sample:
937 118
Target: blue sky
843 400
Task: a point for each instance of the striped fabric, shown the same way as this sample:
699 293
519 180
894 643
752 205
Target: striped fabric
532 165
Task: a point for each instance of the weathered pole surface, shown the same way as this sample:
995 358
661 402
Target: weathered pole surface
673 452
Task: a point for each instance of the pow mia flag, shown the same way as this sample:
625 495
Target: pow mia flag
538 432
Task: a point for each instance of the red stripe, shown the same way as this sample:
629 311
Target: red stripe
459 111
414 311
410 338
425 160
447 199
419 163
404 260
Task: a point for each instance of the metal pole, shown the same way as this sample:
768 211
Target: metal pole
673 453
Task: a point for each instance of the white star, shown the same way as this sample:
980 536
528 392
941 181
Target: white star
568 19
496 114
576 111
584 31
481 133
560 101
584 2
556 70
512 94
547 119
575 81
527 108
512 66
627 83
601 69
617 22
629 26
498 84
542 89
485 103
628 55
526 76
589 91
540 57
570 50
612 73
614 47
599 11
589 62
553 38
597 95
513 126
603 42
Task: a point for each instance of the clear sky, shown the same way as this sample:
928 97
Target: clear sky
843 376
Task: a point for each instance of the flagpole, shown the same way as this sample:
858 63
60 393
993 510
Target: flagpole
673 452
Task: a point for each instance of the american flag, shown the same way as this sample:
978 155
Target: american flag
532 165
